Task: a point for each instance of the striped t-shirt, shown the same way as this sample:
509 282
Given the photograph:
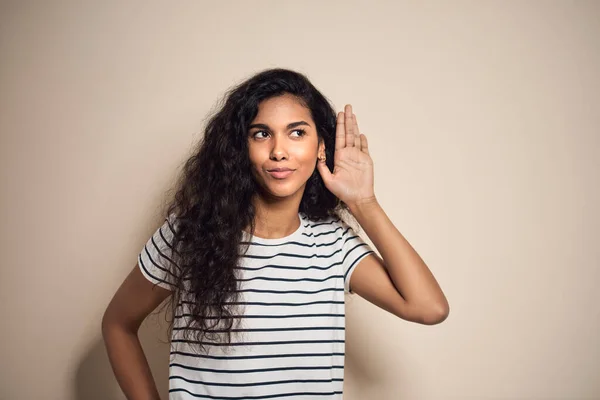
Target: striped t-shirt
293 319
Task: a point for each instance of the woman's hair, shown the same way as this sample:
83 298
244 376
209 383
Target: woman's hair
212 204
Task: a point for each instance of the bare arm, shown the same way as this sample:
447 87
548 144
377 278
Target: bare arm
401 282
134 300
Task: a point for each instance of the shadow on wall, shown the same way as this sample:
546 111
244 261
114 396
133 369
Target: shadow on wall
94 378
367 374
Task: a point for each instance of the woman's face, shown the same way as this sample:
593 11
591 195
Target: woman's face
283 136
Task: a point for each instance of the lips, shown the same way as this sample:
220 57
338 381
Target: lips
280 173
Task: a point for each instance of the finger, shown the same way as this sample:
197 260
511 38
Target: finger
364 145
356 132
355 121
349 126
340 132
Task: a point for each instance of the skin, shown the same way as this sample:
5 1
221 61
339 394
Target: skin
134 300
400 282
275 139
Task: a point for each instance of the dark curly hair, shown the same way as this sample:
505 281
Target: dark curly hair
212 203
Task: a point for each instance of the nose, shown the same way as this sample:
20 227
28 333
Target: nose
278 151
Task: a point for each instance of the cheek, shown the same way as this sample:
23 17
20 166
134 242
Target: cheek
256 157
305 154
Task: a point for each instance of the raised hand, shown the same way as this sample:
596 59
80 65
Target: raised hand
352 178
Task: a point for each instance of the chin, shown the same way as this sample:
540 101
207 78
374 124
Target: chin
280 192
280 189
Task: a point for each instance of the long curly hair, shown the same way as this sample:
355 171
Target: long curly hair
212 204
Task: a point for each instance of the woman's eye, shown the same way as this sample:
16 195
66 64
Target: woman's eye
256 133
301 132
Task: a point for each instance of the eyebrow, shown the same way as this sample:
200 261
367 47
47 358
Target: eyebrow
290 126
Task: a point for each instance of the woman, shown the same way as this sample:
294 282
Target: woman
255 258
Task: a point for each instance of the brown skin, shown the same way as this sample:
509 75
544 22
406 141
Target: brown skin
400 282
274 141
135 299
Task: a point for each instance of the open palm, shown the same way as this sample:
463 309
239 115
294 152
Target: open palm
352 178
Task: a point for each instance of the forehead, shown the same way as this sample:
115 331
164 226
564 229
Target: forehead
282 110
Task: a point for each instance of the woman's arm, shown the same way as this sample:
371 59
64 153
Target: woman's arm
400 282
134 300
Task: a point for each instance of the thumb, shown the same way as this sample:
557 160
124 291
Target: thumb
324 171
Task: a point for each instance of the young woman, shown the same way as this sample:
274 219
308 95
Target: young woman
255 258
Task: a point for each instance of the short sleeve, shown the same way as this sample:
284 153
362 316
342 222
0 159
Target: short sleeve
354 249
155 259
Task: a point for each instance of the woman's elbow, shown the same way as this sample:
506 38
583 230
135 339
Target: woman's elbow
436 314
111 323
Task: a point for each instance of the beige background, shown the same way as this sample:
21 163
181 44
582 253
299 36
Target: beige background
483 121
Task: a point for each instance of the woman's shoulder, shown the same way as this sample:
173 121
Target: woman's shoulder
324 228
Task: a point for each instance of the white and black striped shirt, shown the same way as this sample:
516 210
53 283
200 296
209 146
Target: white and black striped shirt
292 342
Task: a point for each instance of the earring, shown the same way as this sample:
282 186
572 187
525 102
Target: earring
322 158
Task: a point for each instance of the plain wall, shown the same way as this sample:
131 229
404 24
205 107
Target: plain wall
483 123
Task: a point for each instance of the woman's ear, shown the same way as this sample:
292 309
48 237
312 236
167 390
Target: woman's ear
321 151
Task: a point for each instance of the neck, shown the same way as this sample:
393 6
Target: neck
275 219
